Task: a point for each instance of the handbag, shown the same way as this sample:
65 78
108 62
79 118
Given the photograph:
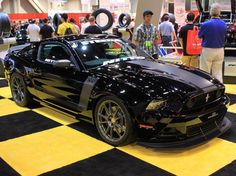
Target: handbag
194 44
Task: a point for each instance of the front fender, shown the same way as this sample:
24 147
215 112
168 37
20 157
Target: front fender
133 99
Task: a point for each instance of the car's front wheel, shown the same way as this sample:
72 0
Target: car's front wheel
19 90
113 121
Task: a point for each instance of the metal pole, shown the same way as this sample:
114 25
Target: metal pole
98 3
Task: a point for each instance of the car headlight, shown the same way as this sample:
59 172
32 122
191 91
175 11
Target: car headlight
156 104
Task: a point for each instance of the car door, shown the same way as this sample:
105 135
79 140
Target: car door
58 85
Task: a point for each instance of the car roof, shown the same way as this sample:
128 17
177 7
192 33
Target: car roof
82 37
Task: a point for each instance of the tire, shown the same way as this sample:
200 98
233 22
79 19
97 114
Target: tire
128 20
109 15
111 116
5 25
19 91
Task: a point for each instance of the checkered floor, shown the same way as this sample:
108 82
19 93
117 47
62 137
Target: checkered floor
40 141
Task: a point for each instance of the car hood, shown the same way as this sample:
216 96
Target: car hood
159 78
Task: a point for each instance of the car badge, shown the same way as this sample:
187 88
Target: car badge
207 98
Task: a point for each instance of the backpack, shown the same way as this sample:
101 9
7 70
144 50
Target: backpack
194 44
68 31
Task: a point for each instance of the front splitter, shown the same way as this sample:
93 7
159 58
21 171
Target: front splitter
189 142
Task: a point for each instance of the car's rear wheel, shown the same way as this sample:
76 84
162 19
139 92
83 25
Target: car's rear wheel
113 121
19 90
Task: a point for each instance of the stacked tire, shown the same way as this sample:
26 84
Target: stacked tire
5 25
109 24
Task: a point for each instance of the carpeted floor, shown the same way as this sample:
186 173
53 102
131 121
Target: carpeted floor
40 141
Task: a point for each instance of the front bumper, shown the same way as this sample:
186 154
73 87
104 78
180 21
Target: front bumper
204 137
189 130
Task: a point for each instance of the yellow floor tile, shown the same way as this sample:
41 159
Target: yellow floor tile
48 150
232 108
5 92
202 160
230 88
8 107
56 116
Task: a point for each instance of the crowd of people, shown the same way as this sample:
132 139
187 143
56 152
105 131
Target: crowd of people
147 36
212 33
44 28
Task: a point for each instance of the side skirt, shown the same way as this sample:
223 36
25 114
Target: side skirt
84 115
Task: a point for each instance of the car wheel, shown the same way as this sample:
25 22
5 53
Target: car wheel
19 90
113 121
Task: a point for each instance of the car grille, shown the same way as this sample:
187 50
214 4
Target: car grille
204 127
204 99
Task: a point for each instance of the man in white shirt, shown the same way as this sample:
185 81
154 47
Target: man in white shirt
33 30
85 24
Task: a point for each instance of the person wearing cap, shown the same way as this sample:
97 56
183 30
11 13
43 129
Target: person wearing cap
146 35
213 33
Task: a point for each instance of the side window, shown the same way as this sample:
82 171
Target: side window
27 53
53 52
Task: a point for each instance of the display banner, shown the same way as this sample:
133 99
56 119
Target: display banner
180 13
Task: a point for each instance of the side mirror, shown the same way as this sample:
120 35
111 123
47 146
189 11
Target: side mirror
62 63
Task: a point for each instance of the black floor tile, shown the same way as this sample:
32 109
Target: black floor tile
228 170
232 98
23 123
3 83
86 128
110 163
7 170
231 134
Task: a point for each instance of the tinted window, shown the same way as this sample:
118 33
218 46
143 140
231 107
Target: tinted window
53 52
99 52
27 52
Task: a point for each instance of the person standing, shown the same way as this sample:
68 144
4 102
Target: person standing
146 35
46 30
167 31
72 21
93 28
33 31
85 24
65 28
188 60
213 33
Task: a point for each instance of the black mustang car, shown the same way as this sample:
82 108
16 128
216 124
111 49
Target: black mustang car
123 91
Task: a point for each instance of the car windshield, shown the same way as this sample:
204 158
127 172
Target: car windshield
94 53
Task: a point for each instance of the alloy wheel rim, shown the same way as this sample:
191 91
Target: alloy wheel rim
111 121
17 90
